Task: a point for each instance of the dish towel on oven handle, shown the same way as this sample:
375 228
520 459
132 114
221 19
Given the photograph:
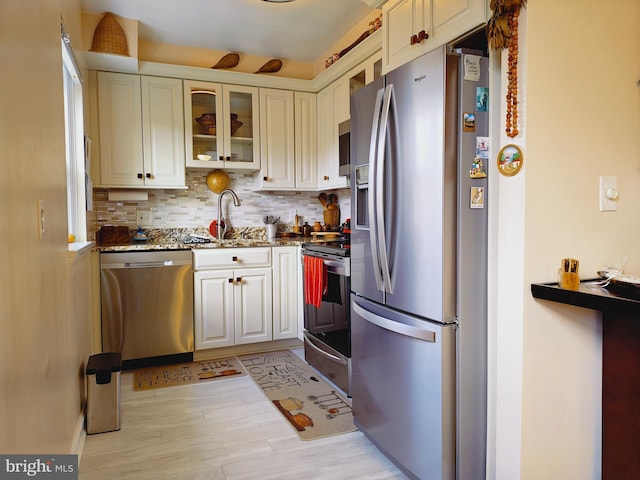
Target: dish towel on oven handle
315 280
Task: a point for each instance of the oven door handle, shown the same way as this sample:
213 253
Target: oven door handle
323 352
332 263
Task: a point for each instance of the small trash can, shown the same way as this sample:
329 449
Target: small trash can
103 392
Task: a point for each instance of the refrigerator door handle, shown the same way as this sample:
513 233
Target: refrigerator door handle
380 198
372 193
393 326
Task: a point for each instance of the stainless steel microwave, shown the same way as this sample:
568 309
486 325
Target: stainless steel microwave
344 144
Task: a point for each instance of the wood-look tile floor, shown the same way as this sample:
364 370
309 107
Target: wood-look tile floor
225 429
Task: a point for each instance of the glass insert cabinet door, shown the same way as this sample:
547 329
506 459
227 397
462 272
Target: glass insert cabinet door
221 126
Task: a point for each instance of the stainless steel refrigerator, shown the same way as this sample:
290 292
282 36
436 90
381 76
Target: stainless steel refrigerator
418 264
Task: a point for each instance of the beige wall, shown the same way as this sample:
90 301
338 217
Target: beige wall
582 120
44 300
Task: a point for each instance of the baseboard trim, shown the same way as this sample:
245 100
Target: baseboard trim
246 349
79 436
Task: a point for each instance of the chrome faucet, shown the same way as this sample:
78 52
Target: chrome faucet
221 227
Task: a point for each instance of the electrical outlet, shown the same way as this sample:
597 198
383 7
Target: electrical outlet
608 194
144 218
40 214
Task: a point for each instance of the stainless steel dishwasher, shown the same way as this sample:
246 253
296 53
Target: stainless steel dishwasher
147 306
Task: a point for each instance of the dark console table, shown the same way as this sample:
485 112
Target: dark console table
620 370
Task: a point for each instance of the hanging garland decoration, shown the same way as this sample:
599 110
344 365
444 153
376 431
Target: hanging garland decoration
502 32
511 121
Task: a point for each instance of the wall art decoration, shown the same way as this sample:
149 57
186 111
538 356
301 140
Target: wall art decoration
510 160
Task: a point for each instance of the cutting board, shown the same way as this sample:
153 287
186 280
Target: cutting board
112 235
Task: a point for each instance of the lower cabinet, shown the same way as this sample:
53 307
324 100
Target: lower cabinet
287 305
233 307
240 297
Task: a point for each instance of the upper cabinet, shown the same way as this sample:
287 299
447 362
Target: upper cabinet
333 109
414 27
407 26
277 144
288 140
141 132
364 74
306 140
221 126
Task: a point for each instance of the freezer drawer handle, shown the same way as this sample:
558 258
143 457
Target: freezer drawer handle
323 352
401 328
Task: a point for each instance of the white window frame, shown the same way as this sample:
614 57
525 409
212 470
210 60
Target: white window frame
75 143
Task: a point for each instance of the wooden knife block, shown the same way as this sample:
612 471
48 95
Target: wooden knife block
568 280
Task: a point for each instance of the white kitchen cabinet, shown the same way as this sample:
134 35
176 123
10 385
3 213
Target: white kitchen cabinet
365 73
253 308
306 140
452 19
277 142
415 27
288 128
214 312
333 108
404 20
286 314
141 131
233 142
232 297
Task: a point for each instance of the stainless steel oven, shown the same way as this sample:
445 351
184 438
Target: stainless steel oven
327 332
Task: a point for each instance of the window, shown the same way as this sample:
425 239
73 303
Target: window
75 143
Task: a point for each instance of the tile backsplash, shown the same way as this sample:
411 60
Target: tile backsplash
197 206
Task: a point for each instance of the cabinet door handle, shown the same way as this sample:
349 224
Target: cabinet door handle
140 175
221 158
234 259
148 175
422 35
228 159
266 179
239 280
413 39
326 177
231 280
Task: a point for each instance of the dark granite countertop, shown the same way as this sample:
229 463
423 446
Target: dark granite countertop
183 239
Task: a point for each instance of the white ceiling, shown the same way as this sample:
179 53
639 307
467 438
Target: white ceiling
301 30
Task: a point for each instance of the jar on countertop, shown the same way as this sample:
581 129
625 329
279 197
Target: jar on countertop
306 229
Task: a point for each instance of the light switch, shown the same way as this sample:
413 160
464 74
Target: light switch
608 194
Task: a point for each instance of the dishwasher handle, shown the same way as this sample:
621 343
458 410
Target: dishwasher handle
162 263
165 263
